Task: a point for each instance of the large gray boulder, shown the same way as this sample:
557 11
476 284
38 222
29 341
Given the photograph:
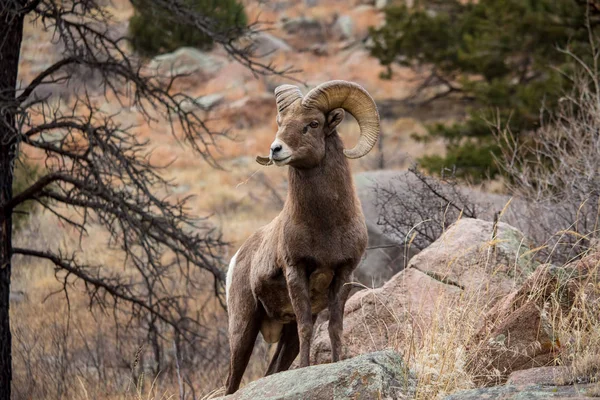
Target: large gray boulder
391 316
389 253
305 26
484 260
463 267
380 375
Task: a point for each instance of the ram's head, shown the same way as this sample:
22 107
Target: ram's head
305 122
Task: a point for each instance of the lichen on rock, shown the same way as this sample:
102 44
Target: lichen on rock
378 375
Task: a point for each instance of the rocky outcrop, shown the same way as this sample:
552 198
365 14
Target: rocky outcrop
463 265
327 35
388 317
249 111
488 261
343 27
303 26
388 252
392 198
302 32
518 333
187 60
380 375
526 392
555 375
204 103
582 276
265 44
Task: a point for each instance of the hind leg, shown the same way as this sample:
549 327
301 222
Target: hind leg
243 330
287 349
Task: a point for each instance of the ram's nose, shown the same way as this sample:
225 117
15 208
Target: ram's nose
275 149
280 152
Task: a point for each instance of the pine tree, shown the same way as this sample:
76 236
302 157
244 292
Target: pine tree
155 29
506 60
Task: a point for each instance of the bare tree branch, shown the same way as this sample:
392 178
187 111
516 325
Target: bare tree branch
38 80
98 172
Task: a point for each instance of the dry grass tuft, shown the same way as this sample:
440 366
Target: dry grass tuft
578 327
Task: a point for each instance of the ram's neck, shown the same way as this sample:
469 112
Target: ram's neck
323 195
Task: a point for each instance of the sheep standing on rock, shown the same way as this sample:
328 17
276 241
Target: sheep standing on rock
299 264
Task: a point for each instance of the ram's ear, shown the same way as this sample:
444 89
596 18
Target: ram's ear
334 118
264 160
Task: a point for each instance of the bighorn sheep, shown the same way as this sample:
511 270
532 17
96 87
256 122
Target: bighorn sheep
296 266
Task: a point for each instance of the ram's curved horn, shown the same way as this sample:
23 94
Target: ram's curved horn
285 95
354 99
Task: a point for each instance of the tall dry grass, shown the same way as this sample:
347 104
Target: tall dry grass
445 357
65 348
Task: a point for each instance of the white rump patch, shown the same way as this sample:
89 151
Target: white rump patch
230 275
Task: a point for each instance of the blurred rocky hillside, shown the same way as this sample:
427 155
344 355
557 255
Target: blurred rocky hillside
324 40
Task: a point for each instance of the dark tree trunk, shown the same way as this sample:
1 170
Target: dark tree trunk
11 33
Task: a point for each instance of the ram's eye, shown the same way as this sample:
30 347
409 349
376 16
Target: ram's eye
314 124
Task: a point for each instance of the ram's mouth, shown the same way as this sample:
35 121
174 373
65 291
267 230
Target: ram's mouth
266 161
281 161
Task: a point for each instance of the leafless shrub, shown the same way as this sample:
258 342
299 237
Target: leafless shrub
417 211
557 171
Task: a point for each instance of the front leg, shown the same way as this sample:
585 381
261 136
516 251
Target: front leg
298 288
338 294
